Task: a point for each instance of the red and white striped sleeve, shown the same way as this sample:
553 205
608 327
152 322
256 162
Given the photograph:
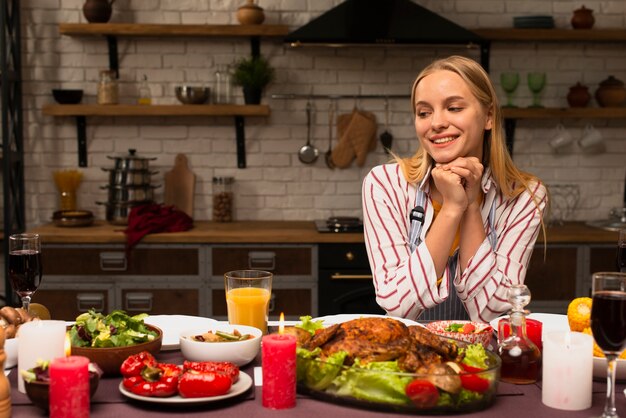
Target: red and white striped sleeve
405 282
484 284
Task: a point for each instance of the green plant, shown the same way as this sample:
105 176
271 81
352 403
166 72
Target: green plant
254 72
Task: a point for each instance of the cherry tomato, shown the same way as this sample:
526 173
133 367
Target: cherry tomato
473 382
468 328
422 393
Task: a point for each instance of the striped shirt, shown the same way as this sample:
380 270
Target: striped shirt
406 283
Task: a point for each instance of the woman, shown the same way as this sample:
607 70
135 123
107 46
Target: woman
451 228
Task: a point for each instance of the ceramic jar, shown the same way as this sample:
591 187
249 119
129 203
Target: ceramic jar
583 18
250 14
98 11
578 96
611 93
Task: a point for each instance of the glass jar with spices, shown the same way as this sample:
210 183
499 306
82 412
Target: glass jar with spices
107 88
223 199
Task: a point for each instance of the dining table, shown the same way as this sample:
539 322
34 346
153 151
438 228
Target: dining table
512 401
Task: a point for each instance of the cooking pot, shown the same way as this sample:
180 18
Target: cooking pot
131 161
130 194
129 177
117 212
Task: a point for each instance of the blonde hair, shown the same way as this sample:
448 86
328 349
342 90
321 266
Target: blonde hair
511 180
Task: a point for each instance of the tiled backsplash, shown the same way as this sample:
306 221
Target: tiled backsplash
276 185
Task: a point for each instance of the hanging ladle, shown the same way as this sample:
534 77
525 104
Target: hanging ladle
386 138
308 153
329 152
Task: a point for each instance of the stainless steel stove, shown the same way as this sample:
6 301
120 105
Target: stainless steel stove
339 224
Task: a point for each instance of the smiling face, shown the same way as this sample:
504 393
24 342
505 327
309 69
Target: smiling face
449 120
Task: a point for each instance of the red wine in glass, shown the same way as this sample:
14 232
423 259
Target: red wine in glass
25 271
608 320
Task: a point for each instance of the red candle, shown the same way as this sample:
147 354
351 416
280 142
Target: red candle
69 387
279 371
533 331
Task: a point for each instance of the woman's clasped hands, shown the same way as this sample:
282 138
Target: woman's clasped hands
459 182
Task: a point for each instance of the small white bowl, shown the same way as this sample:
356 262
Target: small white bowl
10 349
238 352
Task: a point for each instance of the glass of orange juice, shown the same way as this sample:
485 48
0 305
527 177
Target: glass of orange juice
248 297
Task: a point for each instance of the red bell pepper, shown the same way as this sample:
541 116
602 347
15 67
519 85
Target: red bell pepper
144 376
134 364
195 384
226 367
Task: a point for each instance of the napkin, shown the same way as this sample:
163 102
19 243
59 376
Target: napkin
152 218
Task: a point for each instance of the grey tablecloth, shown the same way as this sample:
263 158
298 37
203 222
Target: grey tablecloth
513 401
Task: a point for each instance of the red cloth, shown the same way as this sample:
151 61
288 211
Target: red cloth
152 218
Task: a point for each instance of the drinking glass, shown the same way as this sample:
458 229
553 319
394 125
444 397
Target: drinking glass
621 251
248 297
608 324
509 82
536 83
25 265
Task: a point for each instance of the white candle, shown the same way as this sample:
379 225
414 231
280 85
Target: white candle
567 370
38 340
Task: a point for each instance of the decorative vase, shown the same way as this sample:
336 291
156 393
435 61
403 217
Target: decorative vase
250 14
98 11
252 95
578 96
583 18
611 92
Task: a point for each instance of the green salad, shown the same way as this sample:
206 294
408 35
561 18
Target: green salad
117 329
385 382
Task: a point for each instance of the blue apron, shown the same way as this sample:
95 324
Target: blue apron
451 308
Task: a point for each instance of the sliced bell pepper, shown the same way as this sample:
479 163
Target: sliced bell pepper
226 367
195 384
134 364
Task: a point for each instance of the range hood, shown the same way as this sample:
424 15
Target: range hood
380 22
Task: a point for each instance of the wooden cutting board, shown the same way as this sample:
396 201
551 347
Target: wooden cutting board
180 183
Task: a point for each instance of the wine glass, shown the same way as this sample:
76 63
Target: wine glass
621 251
608 324
25 265
509 82
536 83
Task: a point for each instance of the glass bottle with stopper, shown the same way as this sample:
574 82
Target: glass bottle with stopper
521 359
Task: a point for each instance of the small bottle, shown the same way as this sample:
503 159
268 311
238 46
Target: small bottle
223 199
107 88
521 359
145 96
223 85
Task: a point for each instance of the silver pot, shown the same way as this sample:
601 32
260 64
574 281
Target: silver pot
117 212
129 177
130 194
131 161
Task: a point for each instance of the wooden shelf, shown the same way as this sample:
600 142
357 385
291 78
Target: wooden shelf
155 110
151 30
565 113
553 35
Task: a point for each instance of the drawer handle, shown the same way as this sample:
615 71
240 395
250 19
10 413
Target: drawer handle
262 260
272 304
86 301
113 261
338 276
138 302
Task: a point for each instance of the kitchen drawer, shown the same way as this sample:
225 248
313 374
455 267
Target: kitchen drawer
602 259
292 302
174 301
113 261
68 301
282 261
343 256
554 278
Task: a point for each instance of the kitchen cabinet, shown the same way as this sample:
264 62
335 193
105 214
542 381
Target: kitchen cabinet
113 30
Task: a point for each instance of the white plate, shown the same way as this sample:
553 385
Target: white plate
549 322
341 318
238 388
172 325
599 368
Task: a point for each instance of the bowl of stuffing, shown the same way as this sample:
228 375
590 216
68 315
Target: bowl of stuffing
237 344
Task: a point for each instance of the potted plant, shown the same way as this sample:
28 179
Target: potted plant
253 74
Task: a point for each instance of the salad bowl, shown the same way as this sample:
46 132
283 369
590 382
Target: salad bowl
239 352
478 333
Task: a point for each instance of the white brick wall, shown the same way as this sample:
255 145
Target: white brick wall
276 185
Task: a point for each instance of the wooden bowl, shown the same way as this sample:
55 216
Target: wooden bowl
111 358
38 392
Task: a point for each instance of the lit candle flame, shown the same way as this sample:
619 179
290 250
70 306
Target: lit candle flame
68 345
281 324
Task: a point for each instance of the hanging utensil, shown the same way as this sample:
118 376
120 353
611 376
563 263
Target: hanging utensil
386 138
331 118
308 153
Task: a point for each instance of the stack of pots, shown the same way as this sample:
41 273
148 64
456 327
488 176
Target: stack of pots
129 186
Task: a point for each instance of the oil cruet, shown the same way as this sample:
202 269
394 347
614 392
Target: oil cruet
521 359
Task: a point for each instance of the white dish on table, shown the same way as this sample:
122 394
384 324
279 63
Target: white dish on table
341 318
238 352
242 385
599 369
172 325
550 322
